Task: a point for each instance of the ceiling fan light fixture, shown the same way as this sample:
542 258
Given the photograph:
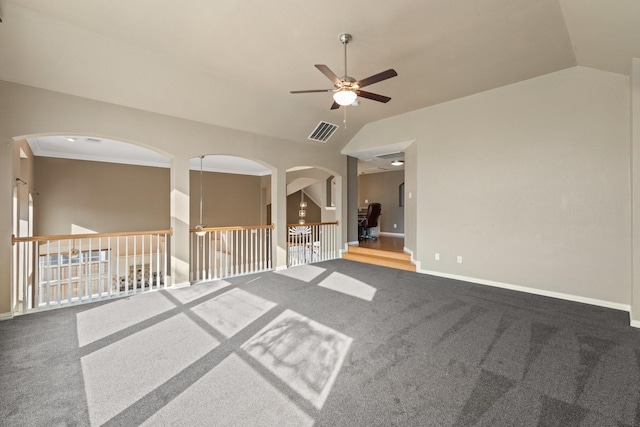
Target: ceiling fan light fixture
344 97
397 163
200 232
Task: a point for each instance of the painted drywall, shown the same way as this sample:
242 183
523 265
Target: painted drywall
635 162
313 213
99 197
228 199
352 206
384 188
528 183
106 197
412 226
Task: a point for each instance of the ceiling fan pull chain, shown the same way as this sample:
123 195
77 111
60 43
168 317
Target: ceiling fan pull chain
345 118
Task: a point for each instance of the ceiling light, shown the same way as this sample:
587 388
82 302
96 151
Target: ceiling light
344 97
71 139
397 163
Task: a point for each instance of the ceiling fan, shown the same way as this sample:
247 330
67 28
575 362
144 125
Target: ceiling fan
347 89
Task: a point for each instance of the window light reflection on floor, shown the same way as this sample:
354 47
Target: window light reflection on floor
303 353
124 312
128 369
348 285
306 272
232 393
232 311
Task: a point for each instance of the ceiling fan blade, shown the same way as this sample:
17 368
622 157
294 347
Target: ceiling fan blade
374 96
311 91
335 106
330 74
377 78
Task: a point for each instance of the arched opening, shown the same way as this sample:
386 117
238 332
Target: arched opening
230 228
97 202
312 226
234 191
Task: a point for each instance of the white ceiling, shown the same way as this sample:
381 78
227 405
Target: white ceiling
232 63
107 150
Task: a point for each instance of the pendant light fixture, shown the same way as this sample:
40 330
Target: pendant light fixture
302 213
200 227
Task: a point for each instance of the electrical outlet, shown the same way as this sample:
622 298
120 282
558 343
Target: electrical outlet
395 225
459 259
437 257
366 201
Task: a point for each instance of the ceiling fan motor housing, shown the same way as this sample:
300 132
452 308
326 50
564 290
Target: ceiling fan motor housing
345 38
347 82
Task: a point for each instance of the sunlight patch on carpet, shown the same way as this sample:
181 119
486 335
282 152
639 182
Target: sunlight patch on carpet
348 285
232 311
190 293
306 273
127 370
121 314
231 394
301 352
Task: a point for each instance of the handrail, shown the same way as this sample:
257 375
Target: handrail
15 239
232 228
218 252
58 270
312 223
311 242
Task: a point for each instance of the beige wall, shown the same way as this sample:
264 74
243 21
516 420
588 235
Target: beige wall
100 197
383 188
529 183
412 226
313 211
26 174
635 160
352 204
105 197
228 199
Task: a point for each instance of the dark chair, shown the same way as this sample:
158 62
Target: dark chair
371 221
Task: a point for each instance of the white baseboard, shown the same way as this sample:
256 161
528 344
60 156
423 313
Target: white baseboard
635 323
280 268
559 295
6 316
413 260
386 233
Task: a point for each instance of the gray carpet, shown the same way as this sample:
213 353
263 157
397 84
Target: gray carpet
336 343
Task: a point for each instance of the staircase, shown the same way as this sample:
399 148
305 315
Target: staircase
397 260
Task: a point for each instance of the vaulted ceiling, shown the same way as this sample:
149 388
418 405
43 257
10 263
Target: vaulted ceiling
232 63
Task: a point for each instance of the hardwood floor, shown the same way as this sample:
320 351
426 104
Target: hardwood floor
387 251
384 243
